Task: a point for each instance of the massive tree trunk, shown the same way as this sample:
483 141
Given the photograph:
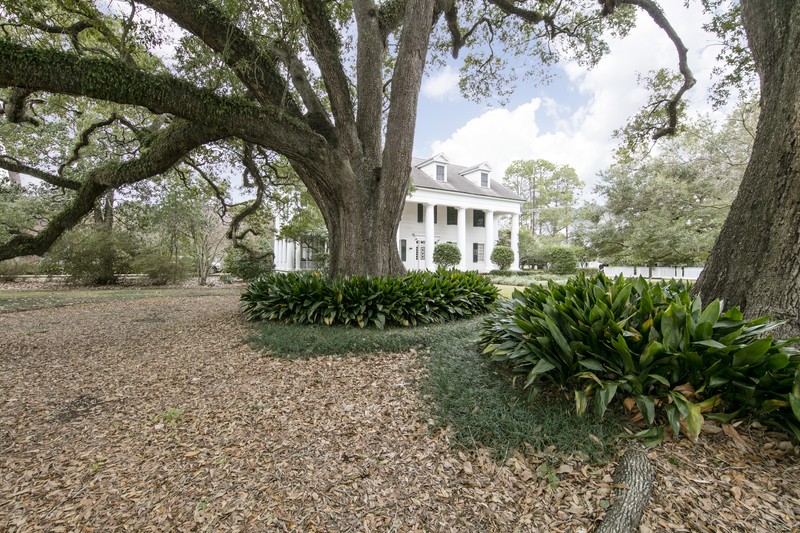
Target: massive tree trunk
362 213
755 263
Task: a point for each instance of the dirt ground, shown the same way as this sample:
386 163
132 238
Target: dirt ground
152 414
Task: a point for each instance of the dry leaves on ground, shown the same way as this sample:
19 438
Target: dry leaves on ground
152 415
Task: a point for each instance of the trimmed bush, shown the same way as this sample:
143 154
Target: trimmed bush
649 345
502 256
562 260
446 255
416 298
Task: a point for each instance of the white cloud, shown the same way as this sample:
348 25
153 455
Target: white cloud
582 137
442 85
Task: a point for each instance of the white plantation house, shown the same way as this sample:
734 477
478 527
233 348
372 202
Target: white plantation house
447 203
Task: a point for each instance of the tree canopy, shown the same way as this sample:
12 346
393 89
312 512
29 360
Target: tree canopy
668 207
329 87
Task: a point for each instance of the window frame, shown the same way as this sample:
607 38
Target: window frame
452 216
478 252
478 221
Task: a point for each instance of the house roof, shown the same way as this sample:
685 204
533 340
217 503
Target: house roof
458 183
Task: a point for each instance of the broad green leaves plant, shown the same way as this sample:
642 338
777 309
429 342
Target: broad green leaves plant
650 345
410 300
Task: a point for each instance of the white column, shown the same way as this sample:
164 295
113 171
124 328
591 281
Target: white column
290 256
276 243
462 236
298 252
515 240
429 236
489 245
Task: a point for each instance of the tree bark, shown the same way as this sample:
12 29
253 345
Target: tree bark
755 263
635 478
361 213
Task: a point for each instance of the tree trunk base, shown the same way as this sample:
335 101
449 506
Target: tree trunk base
634 477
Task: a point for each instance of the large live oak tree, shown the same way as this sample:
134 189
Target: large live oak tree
755 263
330 86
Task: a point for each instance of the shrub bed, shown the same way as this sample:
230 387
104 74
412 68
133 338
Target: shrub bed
416 298
670 361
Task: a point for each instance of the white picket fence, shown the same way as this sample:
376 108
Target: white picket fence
658 272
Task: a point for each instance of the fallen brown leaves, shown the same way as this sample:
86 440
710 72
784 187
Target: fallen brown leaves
151 415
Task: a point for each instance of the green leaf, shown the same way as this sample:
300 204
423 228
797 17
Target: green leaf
777 361
674 418
647 407
751 353
794 401
621 346
559 338
703 332
622 298
650 437
671 329
592 364
660 379
710 343
710 314
605 395
650 352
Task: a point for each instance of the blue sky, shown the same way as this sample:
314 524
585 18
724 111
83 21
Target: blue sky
571 120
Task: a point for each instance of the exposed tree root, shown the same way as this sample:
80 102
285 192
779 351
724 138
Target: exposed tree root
634 478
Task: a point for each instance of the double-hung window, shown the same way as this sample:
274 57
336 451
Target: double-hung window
477 252
478 219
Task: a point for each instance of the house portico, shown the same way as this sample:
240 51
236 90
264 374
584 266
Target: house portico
461 205
465 206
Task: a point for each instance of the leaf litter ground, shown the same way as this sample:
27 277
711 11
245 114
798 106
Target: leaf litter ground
152 414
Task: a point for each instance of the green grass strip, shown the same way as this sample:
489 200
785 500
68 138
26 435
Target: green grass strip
463 390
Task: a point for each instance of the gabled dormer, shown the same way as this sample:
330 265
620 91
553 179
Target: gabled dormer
435 167
479 175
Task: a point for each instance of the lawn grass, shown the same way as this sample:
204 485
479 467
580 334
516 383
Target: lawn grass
508 290
463 390
12 300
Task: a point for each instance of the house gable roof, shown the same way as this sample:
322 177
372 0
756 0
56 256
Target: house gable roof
456 182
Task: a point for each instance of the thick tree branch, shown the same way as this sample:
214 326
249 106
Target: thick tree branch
14 108
233 230
369 66
84 140
317 114
661 20
511 7
406 82
253 65
169 146
12 165
326 49
59 72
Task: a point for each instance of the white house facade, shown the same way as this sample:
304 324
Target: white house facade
465 206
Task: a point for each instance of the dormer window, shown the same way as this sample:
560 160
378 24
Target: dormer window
485 180
439 172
